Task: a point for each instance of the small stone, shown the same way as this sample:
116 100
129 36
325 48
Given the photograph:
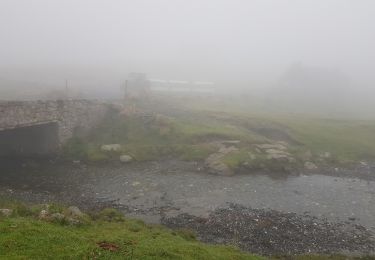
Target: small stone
307 155
126 158
136 183
6 212
325 155
74 212
310 166
43 214
57 216
226 150
110 147
252 156
231 142
73 221
276 146
275 151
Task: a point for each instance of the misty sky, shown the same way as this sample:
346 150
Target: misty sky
189 39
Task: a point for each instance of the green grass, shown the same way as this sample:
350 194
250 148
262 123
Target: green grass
189 136
324 257
346 140
23 236
27 238
148 140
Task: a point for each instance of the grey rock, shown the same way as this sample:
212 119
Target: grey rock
57 216
126 158
280 152
310 166
6 212
252 156
277 146
306 156
74 211
216 166
110 147
43 214
325 155
231 142
74 221
279 155
226 150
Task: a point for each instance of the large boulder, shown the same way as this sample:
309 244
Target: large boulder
215 165
215 162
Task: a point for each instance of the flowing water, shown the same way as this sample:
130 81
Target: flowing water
151 190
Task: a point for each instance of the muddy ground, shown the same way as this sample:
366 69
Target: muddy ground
263 213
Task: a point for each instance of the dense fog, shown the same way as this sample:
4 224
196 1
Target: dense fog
301 52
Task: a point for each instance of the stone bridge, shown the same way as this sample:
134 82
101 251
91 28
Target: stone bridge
28 127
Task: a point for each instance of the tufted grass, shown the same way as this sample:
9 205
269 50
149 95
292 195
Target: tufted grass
23 236
188 135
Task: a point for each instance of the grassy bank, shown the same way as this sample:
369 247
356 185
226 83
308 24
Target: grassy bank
188 130
104 235
24 234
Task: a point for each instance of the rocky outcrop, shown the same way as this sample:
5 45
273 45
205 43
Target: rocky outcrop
276 151
215 164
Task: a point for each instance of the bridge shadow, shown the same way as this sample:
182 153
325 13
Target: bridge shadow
29 141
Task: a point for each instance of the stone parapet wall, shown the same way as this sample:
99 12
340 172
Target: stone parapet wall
71 115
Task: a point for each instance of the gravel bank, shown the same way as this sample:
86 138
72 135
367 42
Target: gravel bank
270 232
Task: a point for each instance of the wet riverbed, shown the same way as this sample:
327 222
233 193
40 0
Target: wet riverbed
164 189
